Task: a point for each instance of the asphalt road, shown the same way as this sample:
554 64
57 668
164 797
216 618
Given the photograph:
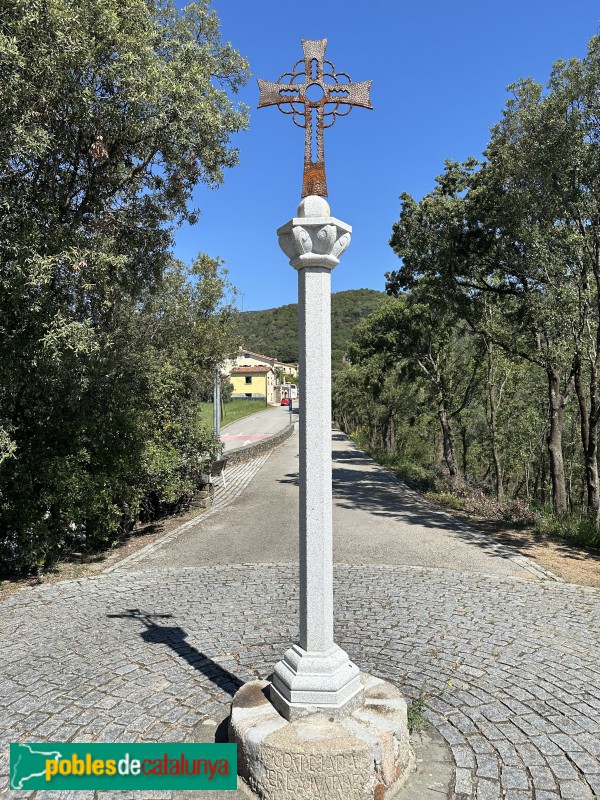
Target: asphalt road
255 427
376 521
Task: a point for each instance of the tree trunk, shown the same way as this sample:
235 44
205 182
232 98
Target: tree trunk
492 421
448 444
591 470
591 454
557 400
465 451
390 434
589 436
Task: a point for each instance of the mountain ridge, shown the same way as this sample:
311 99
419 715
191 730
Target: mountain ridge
274 331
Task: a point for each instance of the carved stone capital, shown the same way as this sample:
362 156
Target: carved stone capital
314 239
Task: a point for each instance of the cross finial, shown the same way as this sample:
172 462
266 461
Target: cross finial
316 94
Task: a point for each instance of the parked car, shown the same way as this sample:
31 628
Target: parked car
285 401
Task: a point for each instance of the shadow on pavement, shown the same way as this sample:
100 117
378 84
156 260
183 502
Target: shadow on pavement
373 491
174 637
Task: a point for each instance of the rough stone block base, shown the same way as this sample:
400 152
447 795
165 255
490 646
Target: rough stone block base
364 756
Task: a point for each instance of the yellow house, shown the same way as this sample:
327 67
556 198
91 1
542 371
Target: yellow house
256 376
255 382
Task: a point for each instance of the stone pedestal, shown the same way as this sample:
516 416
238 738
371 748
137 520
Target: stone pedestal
365 755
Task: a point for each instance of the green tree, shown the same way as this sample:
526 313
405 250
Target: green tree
434 348
480 234
522 226
543 158
181 333
111 113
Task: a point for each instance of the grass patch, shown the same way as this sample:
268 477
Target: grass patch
447 499
421 478
576 530
236 409
416 713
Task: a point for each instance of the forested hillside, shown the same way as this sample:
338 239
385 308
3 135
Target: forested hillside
486 359
274 332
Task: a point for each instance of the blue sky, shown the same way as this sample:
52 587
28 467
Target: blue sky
439 71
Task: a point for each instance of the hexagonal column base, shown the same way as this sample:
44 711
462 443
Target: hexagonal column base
305 682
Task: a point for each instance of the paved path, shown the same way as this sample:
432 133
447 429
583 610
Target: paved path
376 521
255 427
153 651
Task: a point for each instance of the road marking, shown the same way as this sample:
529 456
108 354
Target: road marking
249 437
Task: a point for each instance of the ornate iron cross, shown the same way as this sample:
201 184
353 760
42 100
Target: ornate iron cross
314 93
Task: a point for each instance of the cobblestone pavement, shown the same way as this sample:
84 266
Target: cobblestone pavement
510 666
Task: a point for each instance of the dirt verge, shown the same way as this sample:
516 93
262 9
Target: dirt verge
572 564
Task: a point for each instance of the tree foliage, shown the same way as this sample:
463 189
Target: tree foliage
503 258
111 112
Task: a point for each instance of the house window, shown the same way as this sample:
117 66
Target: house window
248 397
248 378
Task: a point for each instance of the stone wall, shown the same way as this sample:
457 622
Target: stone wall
256 448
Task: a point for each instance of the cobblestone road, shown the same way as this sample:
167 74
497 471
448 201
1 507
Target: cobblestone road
510 666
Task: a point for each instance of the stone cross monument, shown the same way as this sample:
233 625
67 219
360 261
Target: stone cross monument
319 728
315 673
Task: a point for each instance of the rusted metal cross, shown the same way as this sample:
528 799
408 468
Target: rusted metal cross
316 95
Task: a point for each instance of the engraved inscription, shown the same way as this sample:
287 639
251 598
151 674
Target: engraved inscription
337 776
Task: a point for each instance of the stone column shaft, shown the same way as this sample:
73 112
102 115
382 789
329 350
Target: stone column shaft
316 539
